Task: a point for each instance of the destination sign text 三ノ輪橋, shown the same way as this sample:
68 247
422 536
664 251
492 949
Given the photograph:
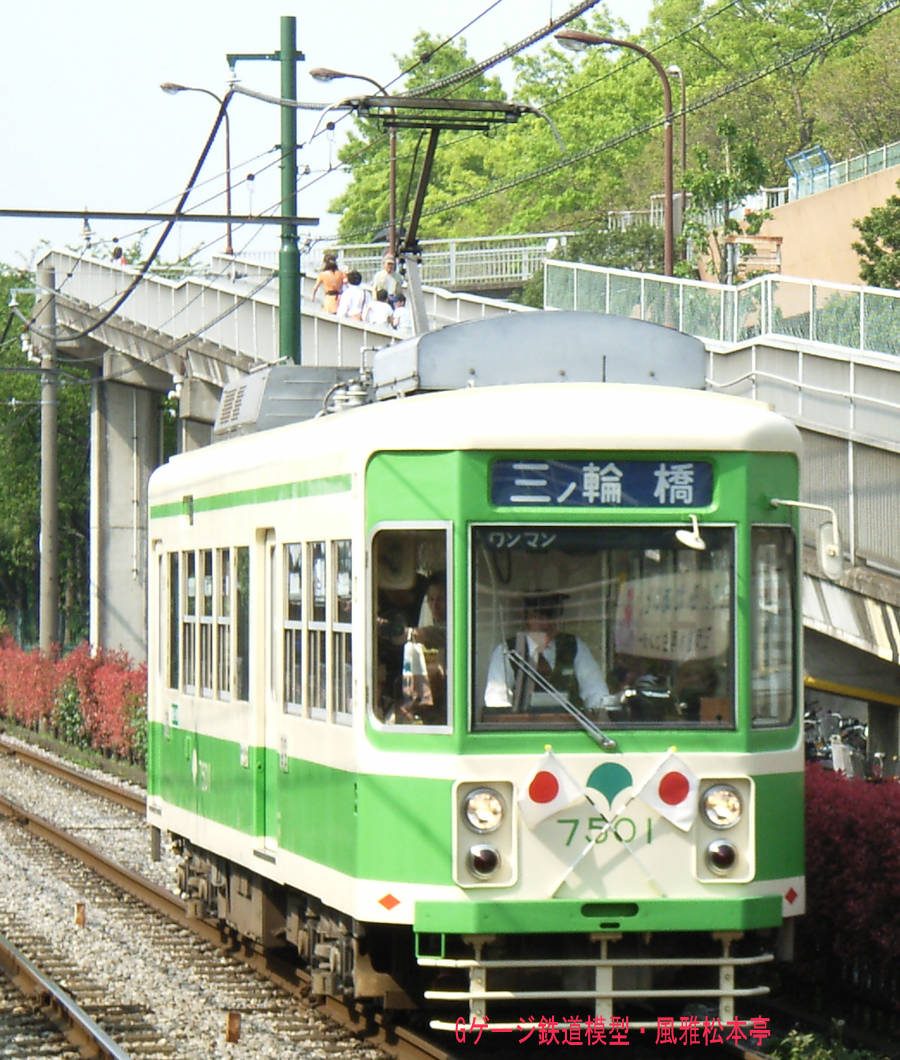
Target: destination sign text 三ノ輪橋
598 484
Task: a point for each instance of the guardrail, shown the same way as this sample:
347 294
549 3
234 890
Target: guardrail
478 261
866 319
843 172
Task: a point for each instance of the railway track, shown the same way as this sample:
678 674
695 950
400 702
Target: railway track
27 999
389 1038
276 989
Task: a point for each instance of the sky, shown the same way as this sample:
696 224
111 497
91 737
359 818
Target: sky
86 125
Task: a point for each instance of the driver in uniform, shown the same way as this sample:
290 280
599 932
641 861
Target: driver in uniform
563 659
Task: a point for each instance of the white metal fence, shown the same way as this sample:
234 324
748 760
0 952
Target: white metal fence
482 261
855 317
843 172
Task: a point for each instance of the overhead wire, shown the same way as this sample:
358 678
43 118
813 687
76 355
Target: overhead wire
571 159
461 76
145 267
474 70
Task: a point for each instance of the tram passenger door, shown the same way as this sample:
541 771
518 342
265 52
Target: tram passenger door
268 701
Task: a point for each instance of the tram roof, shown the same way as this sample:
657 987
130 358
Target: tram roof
541 347
522 417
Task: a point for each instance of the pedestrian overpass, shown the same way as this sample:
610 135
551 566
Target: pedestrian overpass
825 355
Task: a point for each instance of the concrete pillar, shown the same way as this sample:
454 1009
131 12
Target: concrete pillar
198 403
124 450
193 434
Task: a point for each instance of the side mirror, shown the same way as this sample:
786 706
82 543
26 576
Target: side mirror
828 538
829 550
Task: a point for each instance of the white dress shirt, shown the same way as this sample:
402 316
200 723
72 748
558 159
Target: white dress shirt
501 674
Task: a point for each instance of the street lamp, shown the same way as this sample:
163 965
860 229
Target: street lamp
577 39
322 73
676 71
173 89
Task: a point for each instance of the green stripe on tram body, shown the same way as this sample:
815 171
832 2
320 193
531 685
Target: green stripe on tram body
341 819
570 916
283 491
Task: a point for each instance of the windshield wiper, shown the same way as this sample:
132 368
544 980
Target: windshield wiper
519 661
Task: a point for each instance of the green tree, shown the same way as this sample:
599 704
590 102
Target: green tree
857 96
715 191
20 462
764 65
879 247
364 206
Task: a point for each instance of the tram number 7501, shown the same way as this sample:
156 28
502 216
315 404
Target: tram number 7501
623 829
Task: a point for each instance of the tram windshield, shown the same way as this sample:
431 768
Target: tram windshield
629 625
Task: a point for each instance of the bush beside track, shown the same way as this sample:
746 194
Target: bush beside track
87 699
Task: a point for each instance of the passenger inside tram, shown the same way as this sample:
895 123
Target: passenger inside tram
411 629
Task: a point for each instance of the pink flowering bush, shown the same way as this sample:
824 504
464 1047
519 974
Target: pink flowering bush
90 698
852 924
27 683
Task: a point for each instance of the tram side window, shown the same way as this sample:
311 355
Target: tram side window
242 622
223 622
341 641
209 622
206 622
293 628
409 612
189 621
774 649
317 630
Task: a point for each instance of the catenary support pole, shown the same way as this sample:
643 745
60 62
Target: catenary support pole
45 321
288 255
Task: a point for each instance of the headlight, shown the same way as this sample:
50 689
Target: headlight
483 809
722 806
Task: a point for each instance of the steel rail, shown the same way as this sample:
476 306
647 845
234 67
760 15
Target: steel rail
59 1007
399 1042
94 785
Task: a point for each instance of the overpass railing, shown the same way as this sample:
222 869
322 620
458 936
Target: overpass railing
479 261
866 319
836 173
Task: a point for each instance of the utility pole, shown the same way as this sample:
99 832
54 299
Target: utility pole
288 254
45 321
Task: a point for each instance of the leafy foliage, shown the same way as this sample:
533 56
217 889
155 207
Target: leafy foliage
810 1046
89 698
879 247
781 72
717 189
20 472
853 873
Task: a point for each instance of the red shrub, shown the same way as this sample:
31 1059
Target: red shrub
112 691
852 868
27 683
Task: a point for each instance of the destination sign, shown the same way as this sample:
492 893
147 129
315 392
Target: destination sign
602 484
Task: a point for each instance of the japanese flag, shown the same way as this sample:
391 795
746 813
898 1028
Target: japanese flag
671 790
548 790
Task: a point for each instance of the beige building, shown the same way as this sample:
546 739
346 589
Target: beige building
814 234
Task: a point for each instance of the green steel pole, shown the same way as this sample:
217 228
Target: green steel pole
288 255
